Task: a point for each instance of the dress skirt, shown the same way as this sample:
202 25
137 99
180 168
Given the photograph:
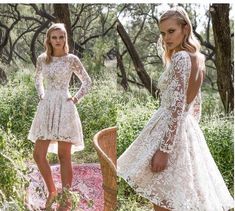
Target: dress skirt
191 180
57 119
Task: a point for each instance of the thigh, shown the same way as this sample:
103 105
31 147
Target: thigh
41 147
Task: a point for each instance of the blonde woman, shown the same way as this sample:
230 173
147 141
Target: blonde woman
56 126
169 163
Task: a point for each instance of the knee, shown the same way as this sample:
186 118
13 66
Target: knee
38 156
64 157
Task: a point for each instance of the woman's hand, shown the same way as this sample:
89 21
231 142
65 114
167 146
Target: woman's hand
159 161
74 99
41 97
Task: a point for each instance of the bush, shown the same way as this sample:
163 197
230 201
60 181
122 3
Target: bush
218 133
18 104
132 117
98 110
12 179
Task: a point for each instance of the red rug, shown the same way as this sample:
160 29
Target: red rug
87 182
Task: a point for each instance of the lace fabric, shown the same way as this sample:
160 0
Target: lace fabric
56 118
191 180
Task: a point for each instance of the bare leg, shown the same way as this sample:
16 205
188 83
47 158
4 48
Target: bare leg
157 208
64 153
39 154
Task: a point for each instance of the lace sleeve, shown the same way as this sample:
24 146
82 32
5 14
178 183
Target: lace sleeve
80 71
177 93
39 78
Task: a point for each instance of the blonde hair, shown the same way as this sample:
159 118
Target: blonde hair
47 44
190 43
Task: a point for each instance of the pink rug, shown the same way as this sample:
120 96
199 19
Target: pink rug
87 181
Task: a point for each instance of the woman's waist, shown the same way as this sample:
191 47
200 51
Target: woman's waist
180 111
60 92
53 89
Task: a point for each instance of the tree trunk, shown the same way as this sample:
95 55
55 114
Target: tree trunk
3 77
221 30
62 14
34 39
120 65
139 67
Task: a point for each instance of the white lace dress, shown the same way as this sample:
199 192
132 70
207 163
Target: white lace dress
56 118
191 180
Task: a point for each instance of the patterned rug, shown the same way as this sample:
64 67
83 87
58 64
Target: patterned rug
87 182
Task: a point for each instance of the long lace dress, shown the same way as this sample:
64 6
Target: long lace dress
191 180
56 118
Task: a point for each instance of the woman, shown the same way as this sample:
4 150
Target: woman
169 163
56 126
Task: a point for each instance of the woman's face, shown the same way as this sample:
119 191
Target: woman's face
57 39
172 34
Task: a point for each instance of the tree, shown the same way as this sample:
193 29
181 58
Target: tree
220 19
139 67
62 14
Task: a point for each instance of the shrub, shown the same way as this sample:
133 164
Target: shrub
98 110
131 118
12 179
218 133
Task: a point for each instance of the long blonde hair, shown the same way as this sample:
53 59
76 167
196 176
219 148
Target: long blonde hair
190 43
47 44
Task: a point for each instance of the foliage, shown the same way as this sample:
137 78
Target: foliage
65 196
19 102
12 179
218 132
132 116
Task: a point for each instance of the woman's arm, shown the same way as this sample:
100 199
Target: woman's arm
39 78
177 92
82 74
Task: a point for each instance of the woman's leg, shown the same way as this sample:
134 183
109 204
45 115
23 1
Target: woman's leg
157 208
64 154
39 154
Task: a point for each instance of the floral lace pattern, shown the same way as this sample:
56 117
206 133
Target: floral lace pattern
56 118
191 180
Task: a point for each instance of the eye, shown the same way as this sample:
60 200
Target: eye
171 31
61 37
53 37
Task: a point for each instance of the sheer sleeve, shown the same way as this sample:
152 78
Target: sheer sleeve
177 93
81 73
39 78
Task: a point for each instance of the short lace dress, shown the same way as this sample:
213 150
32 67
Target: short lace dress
191 180
56 118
